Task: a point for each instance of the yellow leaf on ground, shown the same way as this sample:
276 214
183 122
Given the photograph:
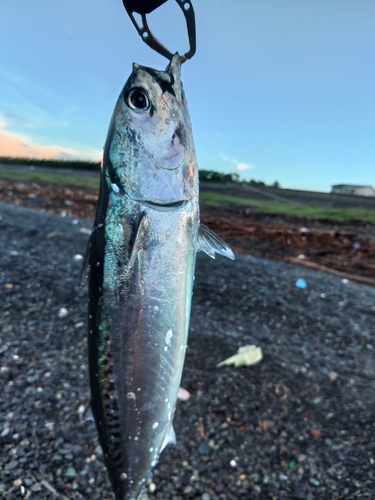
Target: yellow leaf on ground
246 356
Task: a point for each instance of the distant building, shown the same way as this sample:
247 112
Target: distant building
353 189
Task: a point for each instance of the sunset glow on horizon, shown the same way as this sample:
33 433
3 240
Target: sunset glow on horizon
276 90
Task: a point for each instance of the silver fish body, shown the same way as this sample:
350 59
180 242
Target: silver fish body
141 258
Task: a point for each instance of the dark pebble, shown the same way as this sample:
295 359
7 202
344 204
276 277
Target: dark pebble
11 465
204 448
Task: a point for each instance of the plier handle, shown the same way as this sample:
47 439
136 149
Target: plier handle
144 7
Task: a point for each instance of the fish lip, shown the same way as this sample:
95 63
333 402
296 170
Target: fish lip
175 205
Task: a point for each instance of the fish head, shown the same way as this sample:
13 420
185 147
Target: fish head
150 149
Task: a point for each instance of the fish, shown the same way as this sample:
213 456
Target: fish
141 260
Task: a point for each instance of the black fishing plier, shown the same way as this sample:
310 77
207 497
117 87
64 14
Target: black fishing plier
144 7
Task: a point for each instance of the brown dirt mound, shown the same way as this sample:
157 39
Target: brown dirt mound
346 249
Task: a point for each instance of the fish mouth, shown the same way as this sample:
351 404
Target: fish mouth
175 205
156 205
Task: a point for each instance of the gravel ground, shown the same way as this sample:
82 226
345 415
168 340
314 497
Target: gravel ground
299 425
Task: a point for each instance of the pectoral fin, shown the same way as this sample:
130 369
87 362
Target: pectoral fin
140 241
211 243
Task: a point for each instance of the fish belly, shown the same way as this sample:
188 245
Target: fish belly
144 316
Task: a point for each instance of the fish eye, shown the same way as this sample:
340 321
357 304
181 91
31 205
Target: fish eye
138 100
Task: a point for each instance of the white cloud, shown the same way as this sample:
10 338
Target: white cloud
239 165
244 166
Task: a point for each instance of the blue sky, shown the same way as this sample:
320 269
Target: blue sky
278 89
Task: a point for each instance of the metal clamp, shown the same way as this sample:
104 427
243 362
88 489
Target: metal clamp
144 7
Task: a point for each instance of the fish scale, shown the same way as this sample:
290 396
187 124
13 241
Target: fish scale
141 259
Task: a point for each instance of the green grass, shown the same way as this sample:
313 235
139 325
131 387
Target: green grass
211 198
50 163
58 178
340 214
